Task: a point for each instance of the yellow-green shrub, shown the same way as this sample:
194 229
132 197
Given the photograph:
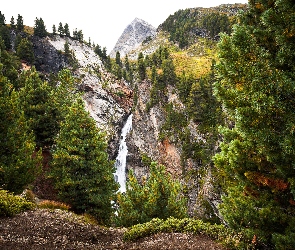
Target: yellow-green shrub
11 204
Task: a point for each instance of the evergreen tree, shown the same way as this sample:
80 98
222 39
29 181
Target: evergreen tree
141 67
5 35
66 30
12 23
20 23
53 30
60 29
80 36
11 65
158 197
118 59
39 108
256 86
25 51
81 170
126 63
2 19
19 163
39 28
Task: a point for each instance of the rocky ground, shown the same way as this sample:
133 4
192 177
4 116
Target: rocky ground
57 229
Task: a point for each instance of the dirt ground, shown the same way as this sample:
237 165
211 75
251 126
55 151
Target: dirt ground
57 229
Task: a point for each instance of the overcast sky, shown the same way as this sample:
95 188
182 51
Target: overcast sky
102 21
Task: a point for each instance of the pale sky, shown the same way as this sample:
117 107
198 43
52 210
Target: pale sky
102 21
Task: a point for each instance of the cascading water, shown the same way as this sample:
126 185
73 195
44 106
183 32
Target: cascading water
120 164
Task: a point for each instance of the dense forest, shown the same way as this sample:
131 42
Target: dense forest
242 106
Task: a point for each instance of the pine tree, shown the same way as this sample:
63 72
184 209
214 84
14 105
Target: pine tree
141 67
39 28
256 87
67 30
12 23
25 51
118 59
5 35
158 197
2 19
60 29
81 170
20 23
53 30
19 163
39 108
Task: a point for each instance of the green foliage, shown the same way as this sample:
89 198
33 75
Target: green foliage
10 65
186 26
256 87
82 173
158 197
19 163
39 28
25 51
19 23
219 233
39 108
141 67
216 23
5 35
2 19
11 205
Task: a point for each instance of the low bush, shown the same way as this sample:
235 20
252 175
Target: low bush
11 204
220 233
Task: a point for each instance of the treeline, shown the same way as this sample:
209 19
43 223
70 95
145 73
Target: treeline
39 30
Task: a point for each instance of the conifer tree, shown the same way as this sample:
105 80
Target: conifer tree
141 67
66 30
5 35
256 87
158 197
39 28
12 23
53 29
25 51
60 29
2 19
81 170
20 23
19 163
39 108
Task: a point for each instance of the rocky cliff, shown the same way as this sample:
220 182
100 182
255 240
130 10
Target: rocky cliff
132 37
108 108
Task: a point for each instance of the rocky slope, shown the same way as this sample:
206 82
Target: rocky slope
56 229
106 106
132 37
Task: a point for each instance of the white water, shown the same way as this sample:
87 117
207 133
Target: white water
120 164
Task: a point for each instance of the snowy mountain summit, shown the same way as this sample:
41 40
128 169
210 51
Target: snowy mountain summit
132 37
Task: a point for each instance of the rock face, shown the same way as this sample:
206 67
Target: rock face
132 37
108 108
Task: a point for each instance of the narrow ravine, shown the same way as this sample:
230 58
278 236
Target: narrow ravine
120 164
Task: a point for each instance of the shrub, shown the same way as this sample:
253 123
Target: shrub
11 204
158 197
53 205
221 233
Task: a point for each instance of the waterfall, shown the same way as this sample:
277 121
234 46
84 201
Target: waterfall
120 164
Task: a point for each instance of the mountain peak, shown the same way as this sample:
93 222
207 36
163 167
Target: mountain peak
132 37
